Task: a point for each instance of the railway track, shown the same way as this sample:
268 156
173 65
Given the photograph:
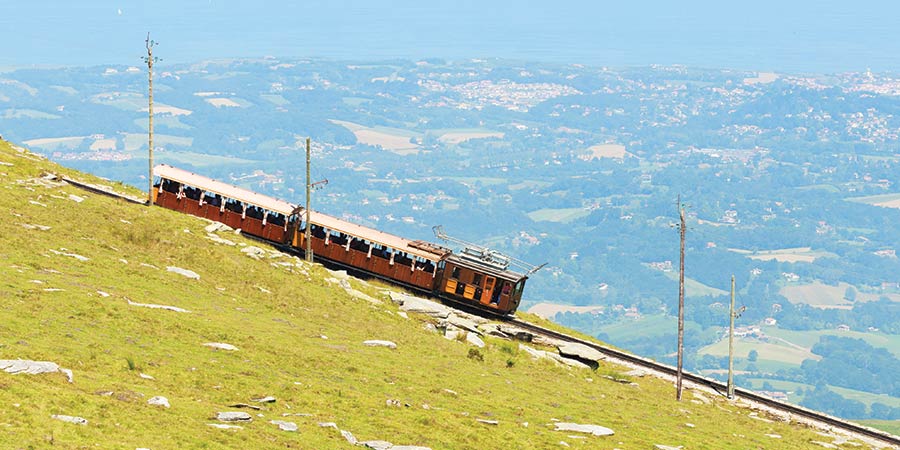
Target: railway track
816 418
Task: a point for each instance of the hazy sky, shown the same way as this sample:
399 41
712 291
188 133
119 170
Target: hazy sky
785 35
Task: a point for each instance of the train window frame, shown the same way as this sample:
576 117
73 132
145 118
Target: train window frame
454 274
477 279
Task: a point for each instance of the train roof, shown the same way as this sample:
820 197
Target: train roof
421 249
224 189
486 268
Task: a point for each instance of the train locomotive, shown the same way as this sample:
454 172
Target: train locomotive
476 276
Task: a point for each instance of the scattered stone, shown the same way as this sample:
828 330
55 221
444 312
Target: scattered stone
152 306
53 290
149 265
4 163
363 296
233 416
403 314
595 430
377 343
253 252
218 240
349 437
31 226
451 334
639 373
451 392
72 255
70 419
704 399
244 405
488 422
473 339
216 227
102 294
285 426
225 426
580 351
22 366
159 401
328 425
377 445
690 425
145 376
463 323
184 272
392 402
266 399
409 447
824 444
221 346
774 436
76 198
413 304
755 415
569 361
564 443
667 447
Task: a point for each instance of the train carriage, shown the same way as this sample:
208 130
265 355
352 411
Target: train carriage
476 276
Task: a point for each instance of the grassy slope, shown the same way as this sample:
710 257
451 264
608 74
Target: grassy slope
282 351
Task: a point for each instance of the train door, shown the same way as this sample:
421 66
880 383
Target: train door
488 291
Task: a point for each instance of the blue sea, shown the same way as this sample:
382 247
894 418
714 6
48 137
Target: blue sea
786 36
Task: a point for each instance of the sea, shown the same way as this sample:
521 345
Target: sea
800 36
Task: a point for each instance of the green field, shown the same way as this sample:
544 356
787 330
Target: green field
694 288
134 141
199 159
558 215
874 199
809 338
790 386
771 351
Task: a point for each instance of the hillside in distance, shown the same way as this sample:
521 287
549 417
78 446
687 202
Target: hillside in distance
84 276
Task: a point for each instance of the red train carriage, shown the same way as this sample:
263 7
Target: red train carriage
477 276
253 213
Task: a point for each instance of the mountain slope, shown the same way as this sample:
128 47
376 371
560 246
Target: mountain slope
69 294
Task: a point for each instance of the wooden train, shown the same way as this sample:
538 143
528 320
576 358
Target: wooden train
476 276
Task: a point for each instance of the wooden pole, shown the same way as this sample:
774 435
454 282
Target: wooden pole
678 374
309 255
150 114
731 345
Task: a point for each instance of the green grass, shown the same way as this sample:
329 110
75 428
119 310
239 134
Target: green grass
866 398
809 338
694 288
891 426
282 351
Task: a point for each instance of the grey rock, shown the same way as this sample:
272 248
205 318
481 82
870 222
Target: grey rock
463 323
159 401
339 274
488 422
285 426
145 376
413 304
638 373
363 296
266 399
595 430
31 226
218 240
216 227
349 437
667 447
253 252
409 447
71 419
71 255
821 444
184 272
533 352
76 198
233 416
473 339
377 343
580 351
452 334
23 366
244 405
345 284
221 346
328 425
152 306
377 445
225 426
568 361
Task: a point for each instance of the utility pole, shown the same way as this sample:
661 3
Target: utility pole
733 315
309 187
149 60
309 255
678 374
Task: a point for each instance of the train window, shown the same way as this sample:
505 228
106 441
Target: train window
477 280
455 273
361 245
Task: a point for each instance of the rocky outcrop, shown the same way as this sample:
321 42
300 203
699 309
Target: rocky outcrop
152 306
595 430
378 343
22 366
233 416
221 346
184 272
